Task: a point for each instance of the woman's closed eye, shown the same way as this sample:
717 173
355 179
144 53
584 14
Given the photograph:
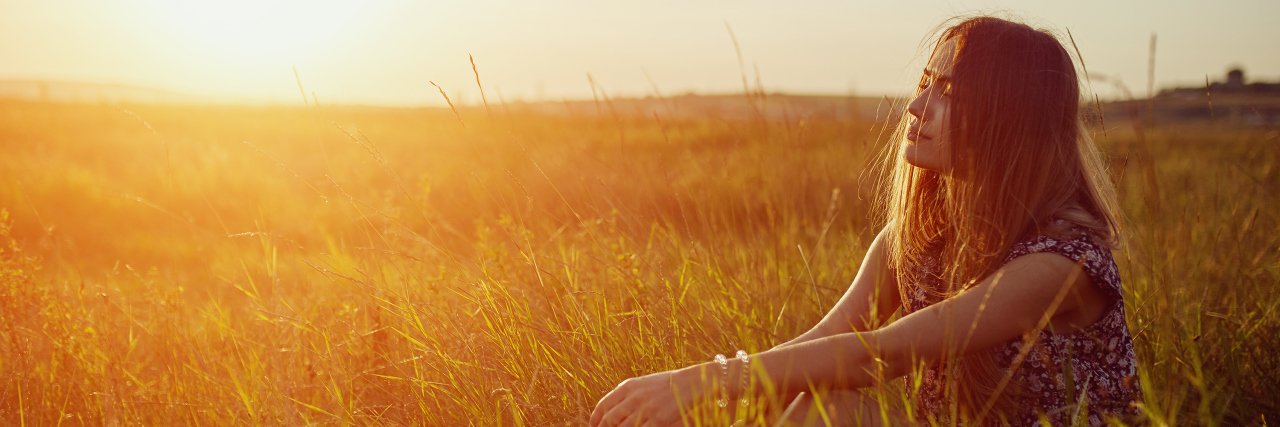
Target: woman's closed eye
924 83
928 81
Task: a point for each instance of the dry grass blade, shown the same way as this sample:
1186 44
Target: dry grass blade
451 107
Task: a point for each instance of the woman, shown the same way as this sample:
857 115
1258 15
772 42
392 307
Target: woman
996 253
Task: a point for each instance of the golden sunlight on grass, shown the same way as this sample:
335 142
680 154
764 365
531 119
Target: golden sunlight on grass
377 266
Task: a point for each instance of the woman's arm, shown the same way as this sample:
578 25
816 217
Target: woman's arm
871 299
1021 297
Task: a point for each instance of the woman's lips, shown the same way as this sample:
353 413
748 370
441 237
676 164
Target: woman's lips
914 135
913 131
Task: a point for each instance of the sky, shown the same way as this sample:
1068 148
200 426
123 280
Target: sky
388 52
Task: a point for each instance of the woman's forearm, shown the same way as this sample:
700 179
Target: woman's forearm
841 361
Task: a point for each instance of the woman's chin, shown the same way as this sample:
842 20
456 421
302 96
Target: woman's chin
914 157
911 153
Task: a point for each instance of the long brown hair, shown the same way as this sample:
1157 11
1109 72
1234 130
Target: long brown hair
1022 166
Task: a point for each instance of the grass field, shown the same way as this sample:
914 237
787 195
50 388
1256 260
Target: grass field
377 266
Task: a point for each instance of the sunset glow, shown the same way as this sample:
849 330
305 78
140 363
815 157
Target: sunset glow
252 31
385 51
495 212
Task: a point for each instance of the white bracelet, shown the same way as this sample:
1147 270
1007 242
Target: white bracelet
724 383
746 375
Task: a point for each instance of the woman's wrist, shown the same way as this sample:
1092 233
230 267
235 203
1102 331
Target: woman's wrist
709 380
703 380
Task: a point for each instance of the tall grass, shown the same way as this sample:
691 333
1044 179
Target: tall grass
360 265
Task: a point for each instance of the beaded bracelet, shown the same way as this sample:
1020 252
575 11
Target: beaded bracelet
746 375
724 383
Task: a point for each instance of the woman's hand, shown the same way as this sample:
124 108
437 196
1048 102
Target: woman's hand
650 400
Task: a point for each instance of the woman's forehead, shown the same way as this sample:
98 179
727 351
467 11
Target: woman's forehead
943 59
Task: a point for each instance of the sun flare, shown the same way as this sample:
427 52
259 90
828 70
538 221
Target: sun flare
258 30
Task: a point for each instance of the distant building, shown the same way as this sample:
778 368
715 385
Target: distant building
1235 78
1235 100
1235 84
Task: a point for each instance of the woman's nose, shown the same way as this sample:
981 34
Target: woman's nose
917 105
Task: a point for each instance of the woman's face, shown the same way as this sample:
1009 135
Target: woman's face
928 137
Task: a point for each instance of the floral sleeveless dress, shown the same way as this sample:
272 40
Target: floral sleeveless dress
1103 368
